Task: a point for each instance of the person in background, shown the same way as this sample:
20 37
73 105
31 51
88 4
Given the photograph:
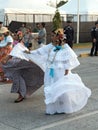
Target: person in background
69 33
27 38
15 39
36 29
64 91
94 35
23 28
6 44
42 34
1 24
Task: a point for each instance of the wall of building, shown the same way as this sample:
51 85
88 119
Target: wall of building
84 31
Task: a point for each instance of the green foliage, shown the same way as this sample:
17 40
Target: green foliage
57 20
57 23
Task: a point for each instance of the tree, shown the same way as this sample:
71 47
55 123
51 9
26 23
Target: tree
57 22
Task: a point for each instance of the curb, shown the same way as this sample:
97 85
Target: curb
84 55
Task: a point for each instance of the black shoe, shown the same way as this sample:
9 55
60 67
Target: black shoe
55 113
91 55
19 100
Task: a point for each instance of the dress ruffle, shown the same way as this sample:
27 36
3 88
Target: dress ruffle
18 51
67 93
65 58
71 90
38 60
27 77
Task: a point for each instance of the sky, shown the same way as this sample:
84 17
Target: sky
31 3
17 2
41 4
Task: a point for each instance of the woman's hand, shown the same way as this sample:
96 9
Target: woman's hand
3 61
27 52
94 40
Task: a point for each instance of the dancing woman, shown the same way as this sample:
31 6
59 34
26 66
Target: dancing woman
64 91
27 77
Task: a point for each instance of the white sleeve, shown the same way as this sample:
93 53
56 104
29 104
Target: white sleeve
9 39
17 51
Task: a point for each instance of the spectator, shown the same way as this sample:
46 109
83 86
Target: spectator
23 28
15 39
69 33
1 24
27 38
36 29
6 45
94 35
42 34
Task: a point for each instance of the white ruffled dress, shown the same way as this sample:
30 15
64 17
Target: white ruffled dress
63 93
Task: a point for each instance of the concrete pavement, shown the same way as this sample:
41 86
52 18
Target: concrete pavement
82 52
30 114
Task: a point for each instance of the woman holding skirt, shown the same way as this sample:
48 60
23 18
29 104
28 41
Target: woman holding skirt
26 76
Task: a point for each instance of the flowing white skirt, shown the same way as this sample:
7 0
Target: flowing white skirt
67 95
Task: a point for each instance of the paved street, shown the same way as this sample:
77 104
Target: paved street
30 114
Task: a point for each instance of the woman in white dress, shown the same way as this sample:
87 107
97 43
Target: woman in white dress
64 91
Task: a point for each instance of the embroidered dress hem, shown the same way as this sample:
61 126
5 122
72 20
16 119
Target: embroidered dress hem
67 95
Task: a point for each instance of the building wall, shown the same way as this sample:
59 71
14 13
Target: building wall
84 31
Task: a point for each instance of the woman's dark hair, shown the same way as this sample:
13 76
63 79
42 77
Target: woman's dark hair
43 24
96 22
54 31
